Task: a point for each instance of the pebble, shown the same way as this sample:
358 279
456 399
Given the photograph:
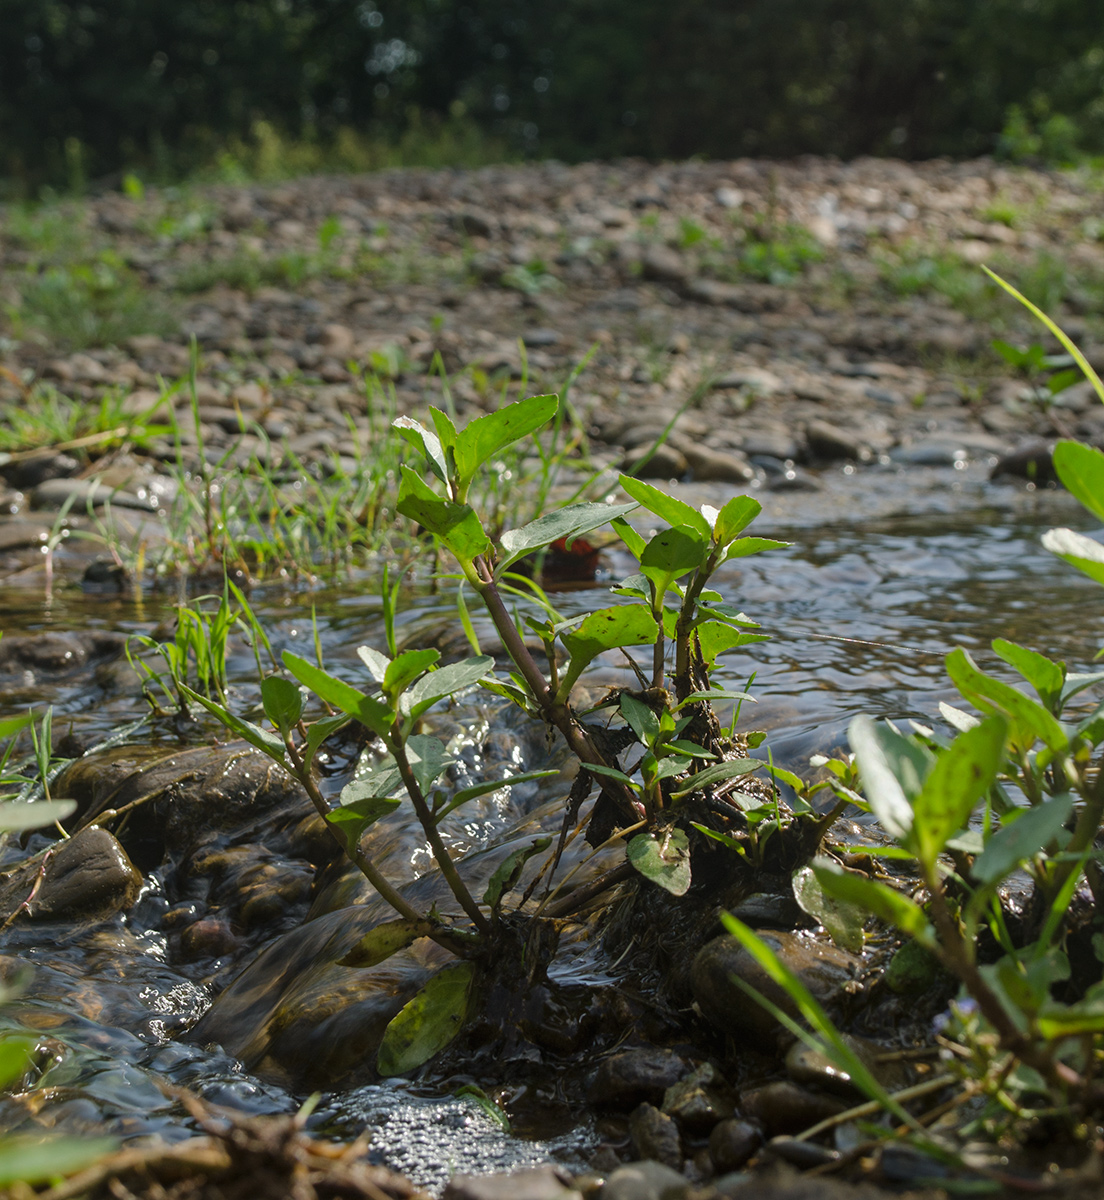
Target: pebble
665 463
699 1101
88 876
783 1107
646 1181
732 1142
829 443
626 1079
655 1135
533 1183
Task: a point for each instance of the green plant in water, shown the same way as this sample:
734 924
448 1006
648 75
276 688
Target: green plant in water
685 764
1017 792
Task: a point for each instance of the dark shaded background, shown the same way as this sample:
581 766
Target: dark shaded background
158 84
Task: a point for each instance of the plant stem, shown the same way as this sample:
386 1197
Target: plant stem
429 825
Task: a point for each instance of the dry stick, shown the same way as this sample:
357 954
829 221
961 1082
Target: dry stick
40 875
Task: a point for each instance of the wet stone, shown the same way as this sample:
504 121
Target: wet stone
665 463
829 443
534 1183
655 1135
646 1181
715 466
823 968
732 1143
626 1079
699 1101
106 578
27 473
1032 462
87 876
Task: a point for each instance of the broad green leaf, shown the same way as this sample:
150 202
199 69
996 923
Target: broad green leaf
633 540
380 943
1028 719
726 839
10 726
961 775
641 719
429 758
715 637
663 856
455 524
376 662
567 523
878 898
1060 334
319 730
742 547
605 629
282 701
1081 470
781 775
673 511
428 443
666 767
488 786
734 518
670 554
1045 676
427 1023
265 741
15 1057
727 613
892 770
445 681
17 816
508 872
716 774
30 1160
688 749
336 692
406 668
1022 838
480 440
353 817
843 919
1078 550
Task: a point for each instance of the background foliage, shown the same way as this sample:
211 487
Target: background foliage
90 88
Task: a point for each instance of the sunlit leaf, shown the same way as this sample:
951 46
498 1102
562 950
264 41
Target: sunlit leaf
1081 470
376 662
734 517
892 770
264 741
378 944
605 629
1029 720
672 553
427 1023
742 547
1078 550
490 785
406 668
455 524
1045 676
30 1160
428 443
633 540
641 719
445 681
674 512
717 773
357 813
336 692
17 816
566 523
480 440
1018 840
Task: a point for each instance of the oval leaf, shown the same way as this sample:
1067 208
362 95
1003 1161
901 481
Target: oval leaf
481 439
1029 834
508 871
427 1023
674 512
843 919
282 701
606 629
664 858
1081 470
566 523
380 943
878 898
336 692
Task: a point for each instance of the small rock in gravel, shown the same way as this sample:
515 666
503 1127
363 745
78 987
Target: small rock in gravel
665 463
1033 462
626 1079
655 1135
699 1101
646 1181
732 1143
716 466
784 1107
664 265
930 453
829 443
534 1183
473 224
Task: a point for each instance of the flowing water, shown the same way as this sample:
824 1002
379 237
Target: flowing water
861 610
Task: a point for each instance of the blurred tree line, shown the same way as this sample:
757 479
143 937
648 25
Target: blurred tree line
88 88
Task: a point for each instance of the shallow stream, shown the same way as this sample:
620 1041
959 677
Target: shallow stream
861 610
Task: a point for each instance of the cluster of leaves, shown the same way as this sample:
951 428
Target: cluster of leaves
1017 792
683 754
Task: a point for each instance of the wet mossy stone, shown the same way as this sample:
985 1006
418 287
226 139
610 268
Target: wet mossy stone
823 968
89 875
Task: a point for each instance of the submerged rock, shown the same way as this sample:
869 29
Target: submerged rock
625 1080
